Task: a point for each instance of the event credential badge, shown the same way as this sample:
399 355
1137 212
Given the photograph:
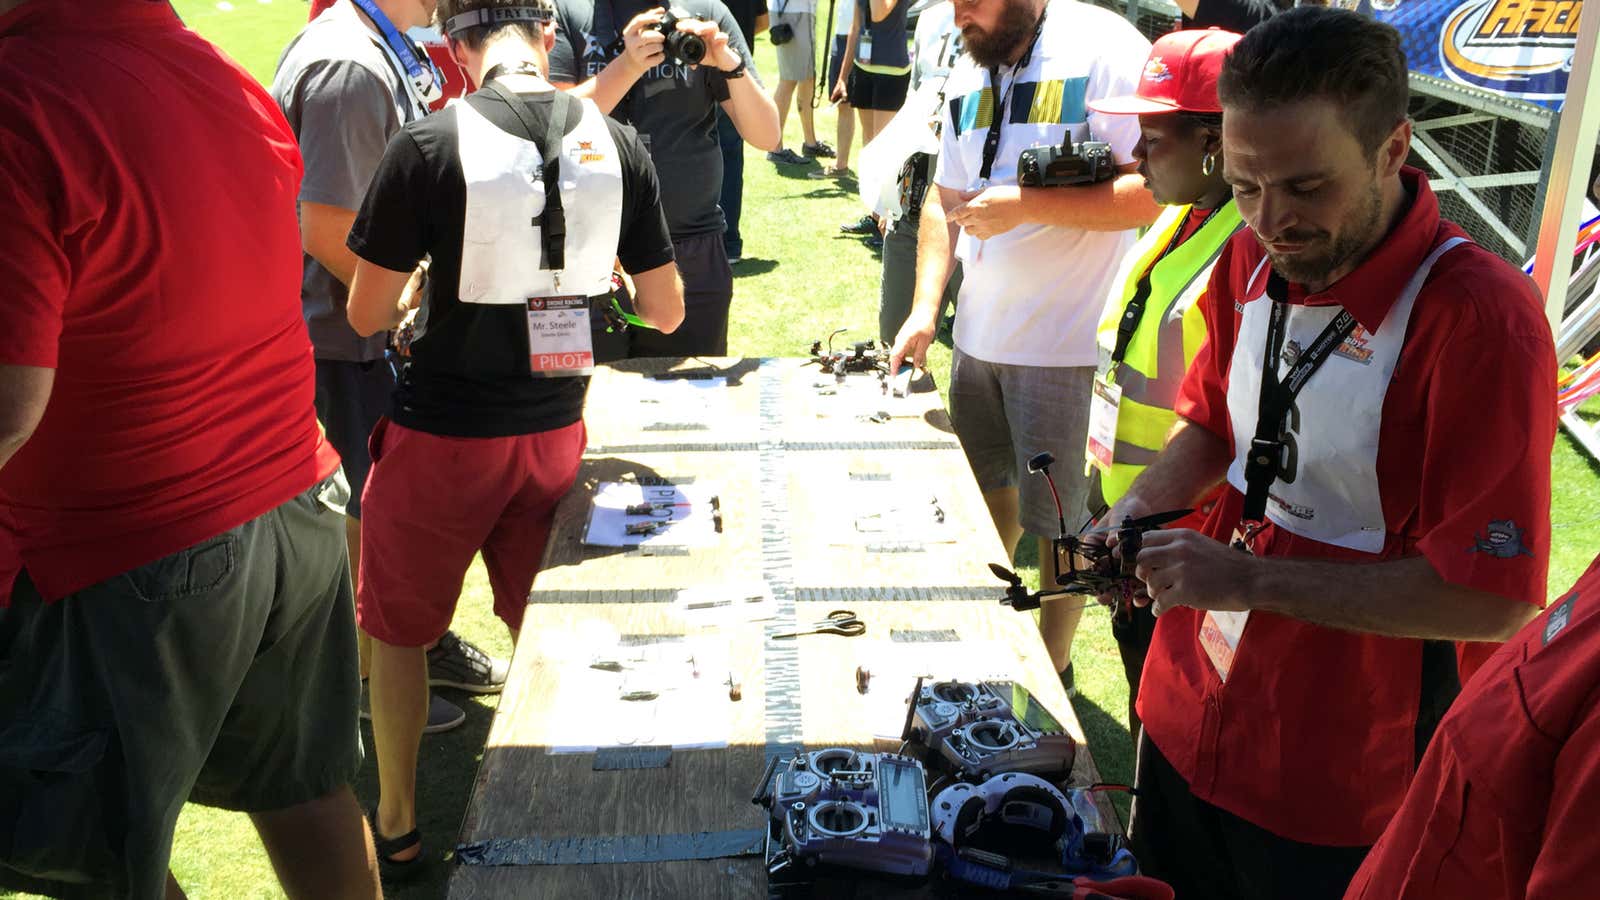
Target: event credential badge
1103 406
559 342
1219 634
1220 631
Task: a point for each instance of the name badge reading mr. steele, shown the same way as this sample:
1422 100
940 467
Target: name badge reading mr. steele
559 341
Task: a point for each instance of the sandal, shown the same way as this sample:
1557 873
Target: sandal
388 847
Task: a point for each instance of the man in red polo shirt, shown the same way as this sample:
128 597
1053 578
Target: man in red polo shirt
1387 475
1503 805
179 622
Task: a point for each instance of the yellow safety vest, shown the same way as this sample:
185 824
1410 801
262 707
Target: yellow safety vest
1167 339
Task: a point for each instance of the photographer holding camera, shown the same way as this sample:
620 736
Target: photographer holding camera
1374 399
522 196
1037 262
668 83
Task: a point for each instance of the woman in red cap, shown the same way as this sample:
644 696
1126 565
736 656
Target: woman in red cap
1152 326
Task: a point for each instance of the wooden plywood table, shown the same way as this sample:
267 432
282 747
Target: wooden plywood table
820 517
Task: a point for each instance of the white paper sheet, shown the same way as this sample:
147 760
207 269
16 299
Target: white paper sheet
671 404
893 511
641 691
684 514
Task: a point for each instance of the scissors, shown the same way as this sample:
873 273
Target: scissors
840 621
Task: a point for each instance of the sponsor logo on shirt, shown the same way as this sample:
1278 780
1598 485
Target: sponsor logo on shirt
587 153
1291 353
1305 513
1501 540
1355 347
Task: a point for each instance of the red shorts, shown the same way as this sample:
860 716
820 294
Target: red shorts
432 502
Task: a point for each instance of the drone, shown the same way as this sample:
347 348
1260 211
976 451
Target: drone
659 516
1091 566
863 356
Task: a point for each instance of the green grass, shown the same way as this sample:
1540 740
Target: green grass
802 280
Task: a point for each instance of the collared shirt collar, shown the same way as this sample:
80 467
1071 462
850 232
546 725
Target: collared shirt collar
53 16
1375 285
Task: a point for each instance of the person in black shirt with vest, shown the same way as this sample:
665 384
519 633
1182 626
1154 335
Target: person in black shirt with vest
486 429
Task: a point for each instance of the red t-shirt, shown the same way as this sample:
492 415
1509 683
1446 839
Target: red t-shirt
152 259
1504 803
1313 736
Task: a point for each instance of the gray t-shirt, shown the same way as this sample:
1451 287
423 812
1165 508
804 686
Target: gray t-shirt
344 100
673 107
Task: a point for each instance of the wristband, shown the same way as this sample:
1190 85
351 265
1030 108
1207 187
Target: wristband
736 71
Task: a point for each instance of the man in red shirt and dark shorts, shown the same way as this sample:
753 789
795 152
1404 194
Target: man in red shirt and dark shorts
1376 397
180 622
1503 804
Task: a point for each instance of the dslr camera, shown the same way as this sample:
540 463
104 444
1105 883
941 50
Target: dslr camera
680 46
1086 162
846 809
980 729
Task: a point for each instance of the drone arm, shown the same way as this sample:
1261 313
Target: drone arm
1194 462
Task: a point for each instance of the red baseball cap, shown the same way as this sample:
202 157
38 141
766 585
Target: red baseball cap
1180 76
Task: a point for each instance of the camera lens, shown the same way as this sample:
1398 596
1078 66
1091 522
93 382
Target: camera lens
687 47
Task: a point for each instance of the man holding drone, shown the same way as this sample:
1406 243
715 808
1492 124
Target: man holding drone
1312 634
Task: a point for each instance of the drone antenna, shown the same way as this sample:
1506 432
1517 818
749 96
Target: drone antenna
834 335
911 710
1040 464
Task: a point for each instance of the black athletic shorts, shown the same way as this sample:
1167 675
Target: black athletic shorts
873 90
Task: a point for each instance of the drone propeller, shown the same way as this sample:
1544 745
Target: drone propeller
1005 574
1144 523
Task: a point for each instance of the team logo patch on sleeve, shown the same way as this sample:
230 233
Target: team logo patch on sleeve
1502 540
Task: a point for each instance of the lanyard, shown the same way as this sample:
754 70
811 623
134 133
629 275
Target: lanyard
424 82
1268 450
1133 314
991 143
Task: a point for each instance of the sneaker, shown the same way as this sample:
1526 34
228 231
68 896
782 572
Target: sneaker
1068 682
864 225
874 242
454 663
735 260
828 172
819 150
785 156
442 714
